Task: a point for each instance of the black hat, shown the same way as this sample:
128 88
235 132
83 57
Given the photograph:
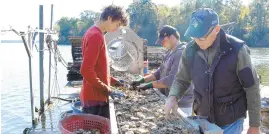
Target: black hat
166 30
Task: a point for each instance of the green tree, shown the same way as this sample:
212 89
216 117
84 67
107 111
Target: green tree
251 22
65 26
163 13
143 19
87 19
75 26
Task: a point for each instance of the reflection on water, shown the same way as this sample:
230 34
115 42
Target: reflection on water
15 100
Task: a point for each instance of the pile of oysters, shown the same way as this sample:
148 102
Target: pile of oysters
141 112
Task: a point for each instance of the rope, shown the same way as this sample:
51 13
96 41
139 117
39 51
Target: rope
55 86
68 100
56 52
53 48
34 34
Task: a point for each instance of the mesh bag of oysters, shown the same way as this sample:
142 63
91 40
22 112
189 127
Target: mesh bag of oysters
142 112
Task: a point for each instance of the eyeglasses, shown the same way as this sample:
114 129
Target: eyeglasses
206 35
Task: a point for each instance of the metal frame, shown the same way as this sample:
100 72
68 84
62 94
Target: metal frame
34 118
27 45
197 123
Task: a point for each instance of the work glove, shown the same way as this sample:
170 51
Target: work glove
137 83
116 94
170 105
144 87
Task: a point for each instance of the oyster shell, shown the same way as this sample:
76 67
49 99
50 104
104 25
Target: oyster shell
142 112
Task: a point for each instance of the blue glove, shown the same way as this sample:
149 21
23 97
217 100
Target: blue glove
123 84
122 81
119 83
117 94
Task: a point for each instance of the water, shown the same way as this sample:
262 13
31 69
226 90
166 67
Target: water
260 60
15 93
15 100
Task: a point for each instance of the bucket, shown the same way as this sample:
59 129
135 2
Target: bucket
76 107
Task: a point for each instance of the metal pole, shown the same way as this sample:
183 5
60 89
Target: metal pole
49 102
34 119
29 38
50 47
41 57
51 17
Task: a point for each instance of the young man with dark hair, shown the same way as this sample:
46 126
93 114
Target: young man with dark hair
162 79
226 84
95 67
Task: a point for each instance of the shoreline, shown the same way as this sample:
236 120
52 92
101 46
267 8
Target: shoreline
20 41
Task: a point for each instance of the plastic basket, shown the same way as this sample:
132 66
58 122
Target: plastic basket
76 107
71 123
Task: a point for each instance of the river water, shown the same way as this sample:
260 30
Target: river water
14 82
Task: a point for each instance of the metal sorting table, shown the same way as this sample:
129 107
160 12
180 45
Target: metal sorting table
193 126
50 125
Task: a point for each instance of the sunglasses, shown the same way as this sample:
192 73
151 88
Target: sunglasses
206 35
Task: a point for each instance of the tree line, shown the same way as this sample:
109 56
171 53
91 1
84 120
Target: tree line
250 22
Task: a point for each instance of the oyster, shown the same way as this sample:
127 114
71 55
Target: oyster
92 131
142 113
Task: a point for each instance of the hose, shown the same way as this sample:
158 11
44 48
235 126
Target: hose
68 100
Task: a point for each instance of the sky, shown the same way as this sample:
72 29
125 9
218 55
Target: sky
21 13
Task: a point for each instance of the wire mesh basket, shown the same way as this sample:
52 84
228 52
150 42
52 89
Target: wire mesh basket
122 54
71 123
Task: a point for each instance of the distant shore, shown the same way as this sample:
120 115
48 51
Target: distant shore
20 41
11 41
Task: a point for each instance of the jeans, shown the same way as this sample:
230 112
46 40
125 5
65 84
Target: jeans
97 110
234 128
